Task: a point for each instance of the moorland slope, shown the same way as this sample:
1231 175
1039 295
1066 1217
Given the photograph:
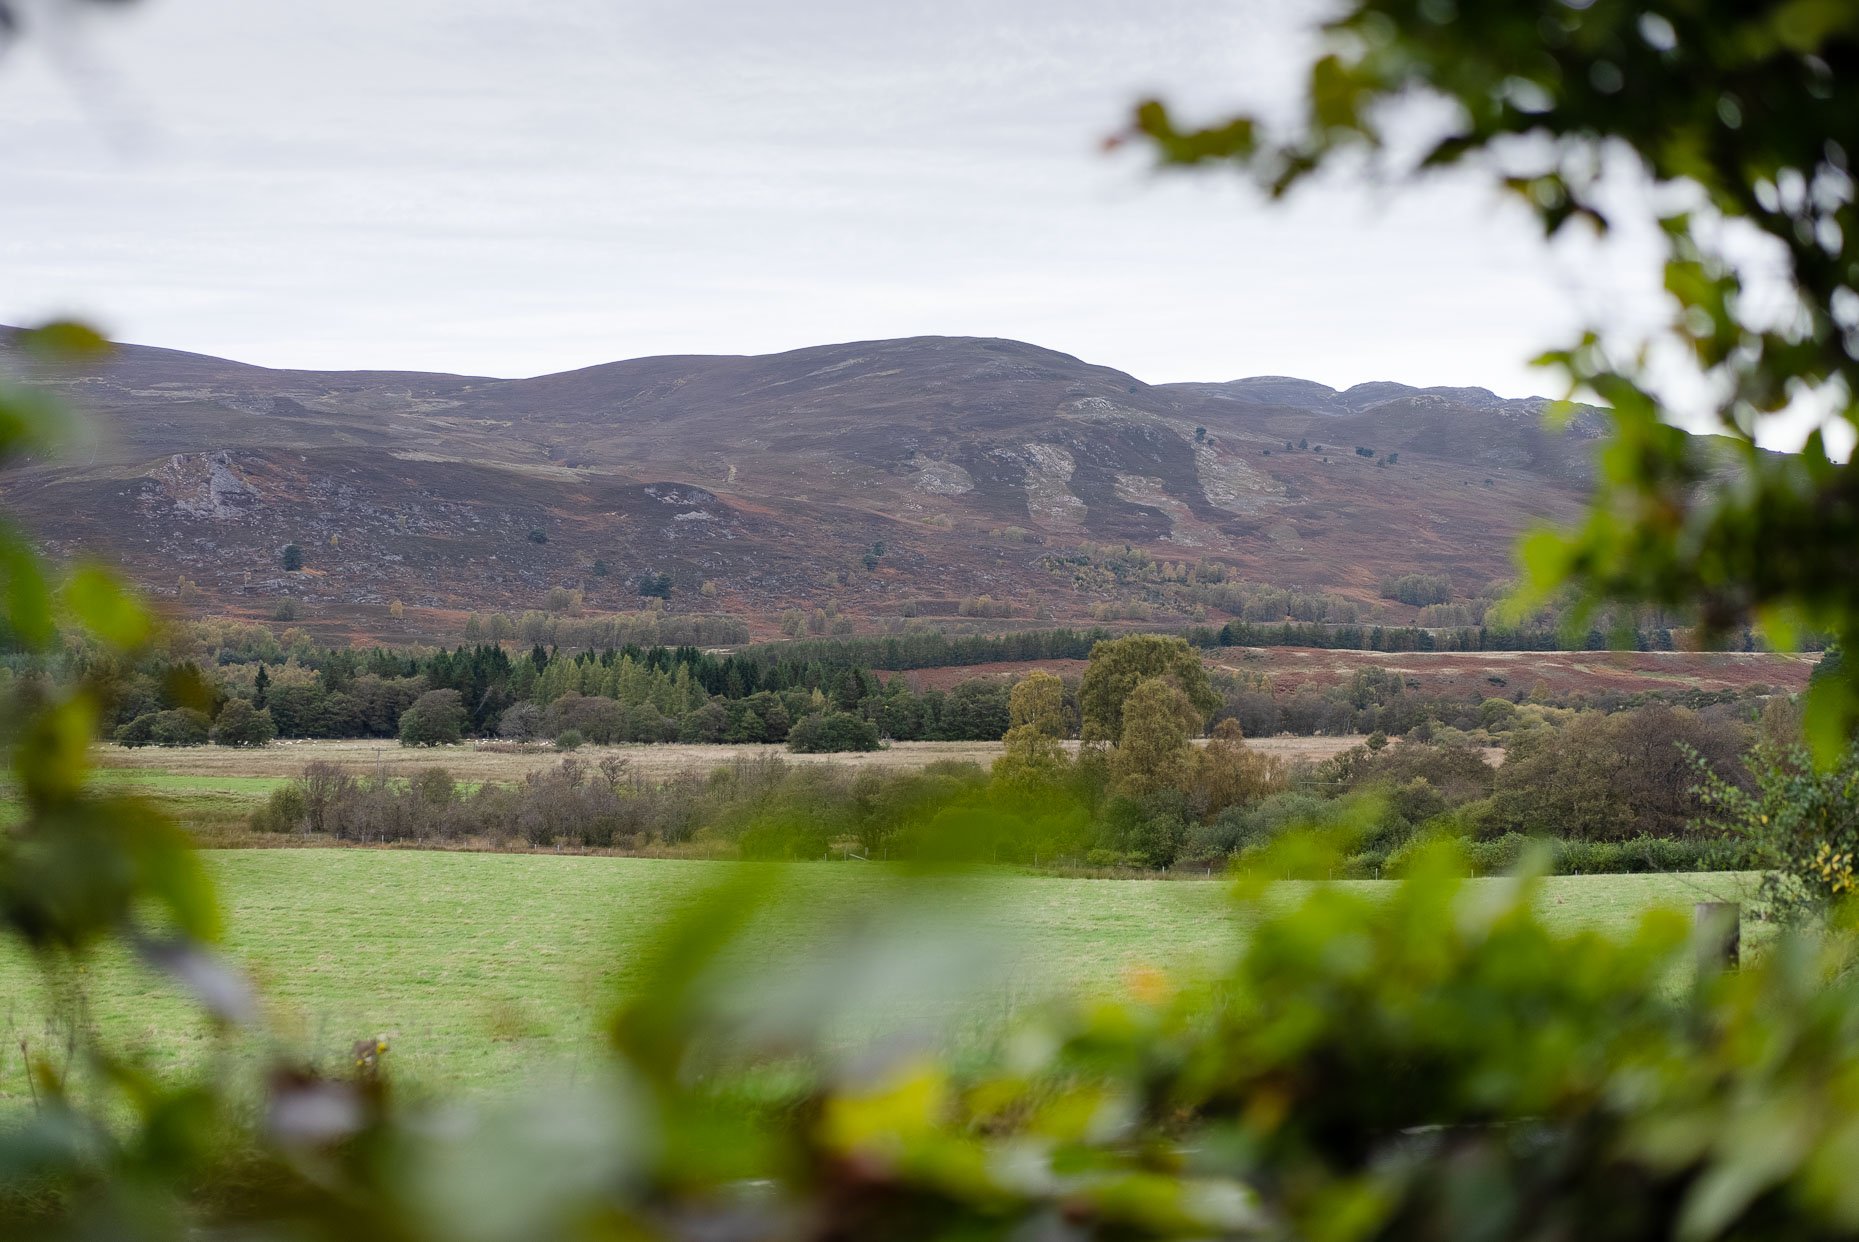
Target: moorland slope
889 476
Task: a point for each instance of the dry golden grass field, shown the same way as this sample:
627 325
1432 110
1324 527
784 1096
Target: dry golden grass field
472 761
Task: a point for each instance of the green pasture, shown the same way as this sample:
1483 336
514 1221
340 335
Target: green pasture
156 783
485 969
210 805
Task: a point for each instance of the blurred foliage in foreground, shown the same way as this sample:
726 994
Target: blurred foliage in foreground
1733 123
1427 1061
1797 824
1417 1064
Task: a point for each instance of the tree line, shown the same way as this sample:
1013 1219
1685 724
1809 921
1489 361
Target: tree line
1602 791
687 694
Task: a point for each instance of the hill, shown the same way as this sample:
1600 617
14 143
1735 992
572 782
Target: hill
886 478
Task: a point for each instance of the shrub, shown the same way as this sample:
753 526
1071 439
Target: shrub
181 726
520 722
1611 777
240 724
1796 823
433 786
1499 856
1635 856
569 739
786 837
1274 816
1107 859
135 732
1454 774
1147 831
325 787
592 717
1227 773
1212 842
286 810
828 732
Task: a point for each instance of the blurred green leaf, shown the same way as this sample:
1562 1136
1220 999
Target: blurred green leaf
104 606
27 594
64 339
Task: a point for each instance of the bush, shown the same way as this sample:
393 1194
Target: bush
592 717
286 810
520 722
569 739
1271 818
785 836
1219 840
1797 823
181 726
830 732
1614 777
241 724
1635 856
1148 831
135 732
1108 859
433 786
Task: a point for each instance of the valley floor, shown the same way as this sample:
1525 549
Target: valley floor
497 761
486 971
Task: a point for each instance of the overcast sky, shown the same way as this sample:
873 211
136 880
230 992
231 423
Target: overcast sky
506 189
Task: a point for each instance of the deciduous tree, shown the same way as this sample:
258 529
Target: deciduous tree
437 718
1118 665
1038 702
1153 751
241 724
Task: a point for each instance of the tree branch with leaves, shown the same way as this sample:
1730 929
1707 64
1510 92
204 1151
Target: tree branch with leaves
1743 120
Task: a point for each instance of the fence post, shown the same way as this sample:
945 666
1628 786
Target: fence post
1717 933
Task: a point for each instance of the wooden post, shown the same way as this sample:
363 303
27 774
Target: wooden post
1718 935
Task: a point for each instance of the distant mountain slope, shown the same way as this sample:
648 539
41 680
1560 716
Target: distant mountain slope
772 478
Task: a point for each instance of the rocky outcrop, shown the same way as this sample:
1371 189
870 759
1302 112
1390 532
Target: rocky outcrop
208 485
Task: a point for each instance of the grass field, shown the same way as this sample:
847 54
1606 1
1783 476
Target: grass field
214 789
482 969
473 761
